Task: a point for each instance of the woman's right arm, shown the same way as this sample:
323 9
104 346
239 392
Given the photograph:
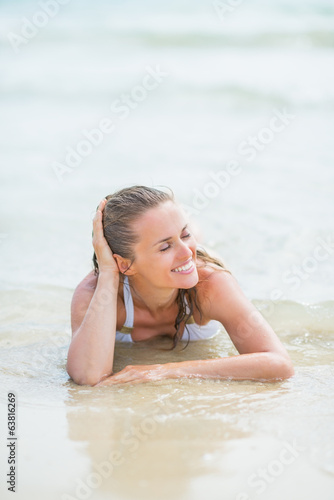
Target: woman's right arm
94 314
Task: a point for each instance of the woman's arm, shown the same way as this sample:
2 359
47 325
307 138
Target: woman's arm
91 352
262 356
94 314
222 299
268 367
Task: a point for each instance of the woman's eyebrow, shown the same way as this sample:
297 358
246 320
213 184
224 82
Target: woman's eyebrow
169 237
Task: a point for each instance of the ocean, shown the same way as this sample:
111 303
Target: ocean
230 104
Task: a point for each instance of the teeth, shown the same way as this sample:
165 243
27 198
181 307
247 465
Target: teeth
183 268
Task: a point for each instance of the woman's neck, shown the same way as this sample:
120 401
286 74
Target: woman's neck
151 298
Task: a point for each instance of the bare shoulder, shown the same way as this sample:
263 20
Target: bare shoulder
81 299
216 285
86 286
212 276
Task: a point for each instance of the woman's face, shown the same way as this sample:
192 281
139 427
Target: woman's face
165 255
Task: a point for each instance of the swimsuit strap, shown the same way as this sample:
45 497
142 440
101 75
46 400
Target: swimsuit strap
129 309
190 320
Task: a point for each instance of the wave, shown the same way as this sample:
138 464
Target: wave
238 95
178 24
295 317
41 312
315 38
61 36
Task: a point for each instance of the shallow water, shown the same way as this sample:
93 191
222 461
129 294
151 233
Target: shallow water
271 221
173 438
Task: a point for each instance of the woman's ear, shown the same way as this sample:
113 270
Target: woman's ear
124 265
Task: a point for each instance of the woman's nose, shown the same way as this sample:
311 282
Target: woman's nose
184 251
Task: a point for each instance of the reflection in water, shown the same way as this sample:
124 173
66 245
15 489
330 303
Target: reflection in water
155 438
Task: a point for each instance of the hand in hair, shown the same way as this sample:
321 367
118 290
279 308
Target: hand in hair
104 255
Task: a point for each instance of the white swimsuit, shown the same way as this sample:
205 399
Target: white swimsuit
192 330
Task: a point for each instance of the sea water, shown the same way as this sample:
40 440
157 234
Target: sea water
231 105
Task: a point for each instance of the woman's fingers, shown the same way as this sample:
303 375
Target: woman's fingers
116 381
102 204
135 374
97 221
104 255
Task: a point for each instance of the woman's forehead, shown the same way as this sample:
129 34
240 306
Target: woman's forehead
165 218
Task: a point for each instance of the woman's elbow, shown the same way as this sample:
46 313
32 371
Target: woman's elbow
281 368
80 377
84 380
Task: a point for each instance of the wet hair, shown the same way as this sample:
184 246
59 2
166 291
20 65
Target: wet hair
122 210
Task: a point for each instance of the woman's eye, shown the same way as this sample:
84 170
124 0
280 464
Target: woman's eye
184 237
164 249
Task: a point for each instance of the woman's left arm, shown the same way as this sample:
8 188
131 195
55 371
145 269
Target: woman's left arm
253 337
261 354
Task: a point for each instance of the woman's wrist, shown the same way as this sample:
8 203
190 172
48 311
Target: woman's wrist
109 275
172 370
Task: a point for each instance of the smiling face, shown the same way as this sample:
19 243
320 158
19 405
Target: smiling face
165 255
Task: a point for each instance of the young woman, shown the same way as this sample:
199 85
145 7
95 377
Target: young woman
151 279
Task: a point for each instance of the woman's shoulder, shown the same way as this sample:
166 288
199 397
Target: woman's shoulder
84 292
218 292
90 280
88 284
212 279
208 269
86 288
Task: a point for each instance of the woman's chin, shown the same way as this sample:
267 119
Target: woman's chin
187 280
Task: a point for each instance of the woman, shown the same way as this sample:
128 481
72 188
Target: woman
150 279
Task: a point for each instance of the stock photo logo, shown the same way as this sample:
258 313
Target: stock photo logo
266 475
130 441
250 148
30 28
121 108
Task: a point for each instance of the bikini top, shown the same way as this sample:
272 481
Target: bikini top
192 330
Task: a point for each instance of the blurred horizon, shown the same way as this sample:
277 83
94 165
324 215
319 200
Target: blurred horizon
232 108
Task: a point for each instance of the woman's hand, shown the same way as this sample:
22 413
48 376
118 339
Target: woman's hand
103 253
136 374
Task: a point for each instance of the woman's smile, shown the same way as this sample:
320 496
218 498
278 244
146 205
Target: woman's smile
187 268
